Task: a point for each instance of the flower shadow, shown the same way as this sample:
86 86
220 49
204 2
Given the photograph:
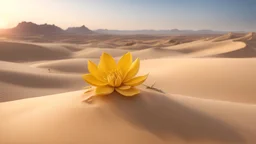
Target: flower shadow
165 118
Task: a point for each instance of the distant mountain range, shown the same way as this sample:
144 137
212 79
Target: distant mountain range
29 28
79 30
161 32
158 32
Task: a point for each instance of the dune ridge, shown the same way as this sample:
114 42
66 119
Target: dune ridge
248 51
224 37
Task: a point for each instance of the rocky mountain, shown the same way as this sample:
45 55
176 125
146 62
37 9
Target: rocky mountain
83 30
29 28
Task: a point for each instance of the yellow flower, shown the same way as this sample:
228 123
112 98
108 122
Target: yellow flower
110 76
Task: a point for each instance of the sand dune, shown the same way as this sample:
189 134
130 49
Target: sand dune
154 53
248 51
247 37
20 52
222 48
96 52
79 65
149 118
192 46
135 46
228 46
207 48
224 37
208 85
222 79
65 66
21 81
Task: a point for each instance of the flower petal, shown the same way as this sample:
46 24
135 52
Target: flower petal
125 62
111 80
93 81
107 62
118 81
105 90
93 69
129 92
136 81
133 70
124 87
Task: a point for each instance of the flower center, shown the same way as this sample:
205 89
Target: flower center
114 77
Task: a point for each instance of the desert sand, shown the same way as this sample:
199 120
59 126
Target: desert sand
206 91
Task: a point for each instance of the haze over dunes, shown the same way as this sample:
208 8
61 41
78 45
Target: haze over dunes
204 90
30 28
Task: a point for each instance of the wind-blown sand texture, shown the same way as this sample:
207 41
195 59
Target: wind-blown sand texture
206 91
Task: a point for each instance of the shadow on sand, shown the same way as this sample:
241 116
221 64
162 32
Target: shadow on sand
165 118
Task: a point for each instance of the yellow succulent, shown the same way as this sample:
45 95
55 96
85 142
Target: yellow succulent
110 76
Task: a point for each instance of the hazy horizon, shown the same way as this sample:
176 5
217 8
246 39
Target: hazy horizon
221 15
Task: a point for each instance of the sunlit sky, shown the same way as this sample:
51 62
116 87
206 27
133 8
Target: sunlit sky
133 14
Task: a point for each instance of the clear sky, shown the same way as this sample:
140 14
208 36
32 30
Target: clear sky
133 14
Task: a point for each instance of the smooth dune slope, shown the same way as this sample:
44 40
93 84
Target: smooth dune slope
248 51
154 53
136 46
148 118
221 79
247 37
22 52
224 37
65 66
203 48
21 81
96 52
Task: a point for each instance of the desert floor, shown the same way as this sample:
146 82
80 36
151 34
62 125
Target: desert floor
204 92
